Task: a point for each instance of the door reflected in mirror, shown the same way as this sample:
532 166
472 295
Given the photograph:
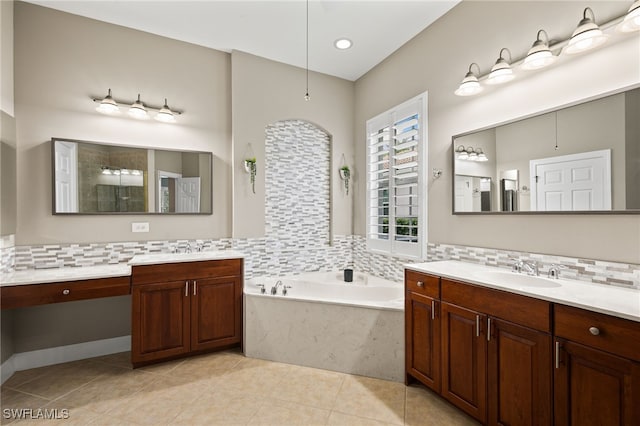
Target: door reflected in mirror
584 158
96 178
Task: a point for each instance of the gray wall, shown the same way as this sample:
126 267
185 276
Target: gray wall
265 92
436 61
61 324
61 60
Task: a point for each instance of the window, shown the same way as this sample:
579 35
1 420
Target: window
396 190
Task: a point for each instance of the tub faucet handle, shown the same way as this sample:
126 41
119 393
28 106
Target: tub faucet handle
262 289
284 289
274 289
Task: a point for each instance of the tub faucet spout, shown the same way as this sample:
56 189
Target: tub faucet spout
274 289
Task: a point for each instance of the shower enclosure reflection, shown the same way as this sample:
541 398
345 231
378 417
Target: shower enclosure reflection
95 178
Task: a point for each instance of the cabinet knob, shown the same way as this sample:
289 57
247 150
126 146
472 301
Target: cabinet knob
66 291
594 330
420 284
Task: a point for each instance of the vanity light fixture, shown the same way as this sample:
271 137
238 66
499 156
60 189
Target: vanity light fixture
587 36
108 105
461 153
470 154
631 20
138 110
165 114
539 56
108 170
501 71
470 85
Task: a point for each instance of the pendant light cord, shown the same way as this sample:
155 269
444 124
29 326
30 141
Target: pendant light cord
306 96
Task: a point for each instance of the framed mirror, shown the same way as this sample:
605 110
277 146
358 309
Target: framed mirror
583 158
97 178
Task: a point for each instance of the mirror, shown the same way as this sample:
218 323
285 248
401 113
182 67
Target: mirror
8 179
584 158
96 178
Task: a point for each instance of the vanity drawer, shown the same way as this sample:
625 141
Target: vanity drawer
41 294
615 335
165 272
417 282
523 310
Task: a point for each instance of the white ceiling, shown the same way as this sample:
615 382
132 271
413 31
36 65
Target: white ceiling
276 29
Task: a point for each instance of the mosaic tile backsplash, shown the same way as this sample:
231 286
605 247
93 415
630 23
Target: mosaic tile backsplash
265 259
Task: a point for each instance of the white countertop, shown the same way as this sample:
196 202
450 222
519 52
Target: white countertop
612 300
152 259
53 275
43 276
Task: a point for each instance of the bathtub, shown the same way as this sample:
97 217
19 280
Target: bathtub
323 322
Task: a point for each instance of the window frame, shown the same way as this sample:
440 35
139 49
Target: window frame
391 246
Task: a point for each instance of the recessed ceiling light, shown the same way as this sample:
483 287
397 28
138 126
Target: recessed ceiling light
343 43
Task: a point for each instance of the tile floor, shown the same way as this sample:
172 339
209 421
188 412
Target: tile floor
220 388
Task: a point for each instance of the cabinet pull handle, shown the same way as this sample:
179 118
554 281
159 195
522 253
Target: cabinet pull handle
477 325
557 354
488 329
433 309
186 288
420 284
594 330
66 291
195 287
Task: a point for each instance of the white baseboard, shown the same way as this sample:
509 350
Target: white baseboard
60 354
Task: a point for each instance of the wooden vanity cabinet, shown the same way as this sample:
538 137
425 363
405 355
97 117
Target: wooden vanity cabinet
185 308
496 354
19 296
422 329
597 369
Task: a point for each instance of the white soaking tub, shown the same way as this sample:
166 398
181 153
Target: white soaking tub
324 322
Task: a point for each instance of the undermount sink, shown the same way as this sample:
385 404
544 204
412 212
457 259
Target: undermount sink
518 279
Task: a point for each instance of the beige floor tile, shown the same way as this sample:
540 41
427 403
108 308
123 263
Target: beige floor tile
226 408
64 378
372 398
15 400
425 408
177 388
75 417
147 409
280 413
162 368
341 419
254 377
103 393
121 359
310 386
220 388
22 377
207 366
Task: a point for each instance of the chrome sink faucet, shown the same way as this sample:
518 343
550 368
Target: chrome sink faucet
554 271
274 289
520 266
531 268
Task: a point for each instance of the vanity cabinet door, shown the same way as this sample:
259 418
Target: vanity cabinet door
519 375
422 328
464 359
160 321
216 313
593 387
